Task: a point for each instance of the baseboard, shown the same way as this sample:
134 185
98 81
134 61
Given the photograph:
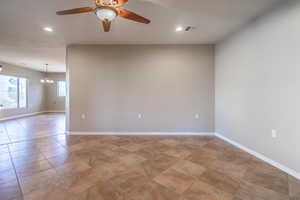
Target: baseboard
261 156
142 133
20 116
28 115
55 111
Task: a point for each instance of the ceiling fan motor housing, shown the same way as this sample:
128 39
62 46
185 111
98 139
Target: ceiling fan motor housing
107 2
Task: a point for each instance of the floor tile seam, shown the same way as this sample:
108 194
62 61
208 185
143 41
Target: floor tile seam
32 139
16 174
47 159
171 167
5 129
36 151
8 136
51 149
180 194
18 121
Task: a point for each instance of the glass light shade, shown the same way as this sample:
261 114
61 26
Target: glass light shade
46 81
106 14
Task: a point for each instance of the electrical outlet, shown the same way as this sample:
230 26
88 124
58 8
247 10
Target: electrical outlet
274 133
140 116
83 116
197 116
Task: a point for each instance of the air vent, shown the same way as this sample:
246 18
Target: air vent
189 28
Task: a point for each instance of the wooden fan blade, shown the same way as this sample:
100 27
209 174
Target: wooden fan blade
75 11
132 16
106 25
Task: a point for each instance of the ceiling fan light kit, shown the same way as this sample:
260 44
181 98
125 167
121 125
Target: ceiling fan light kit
107 11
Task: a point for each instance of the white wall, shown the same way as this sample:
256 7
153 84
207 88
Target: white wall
167 84
258 85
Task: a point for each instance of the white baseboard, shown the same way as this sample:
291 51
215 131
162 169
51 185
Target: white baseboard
28 115
261 156
55 111
142 133
20 116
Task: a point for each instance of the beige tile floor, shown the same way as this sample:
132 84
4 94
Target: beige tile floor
31 127
62 167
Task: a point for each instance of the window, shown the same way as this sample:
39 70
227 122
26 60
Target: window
13 92
61 88
22 92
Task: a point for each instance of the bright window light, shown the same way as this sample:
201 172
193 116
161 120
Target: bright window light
22 93
13 92
61 88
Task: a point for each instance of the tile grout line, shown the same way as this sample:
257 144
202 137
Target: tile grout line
20 124
17 176
44 159
53 166
32 139
6 132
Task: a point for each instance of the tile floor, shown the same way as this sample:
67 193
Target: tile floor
31 127
62 167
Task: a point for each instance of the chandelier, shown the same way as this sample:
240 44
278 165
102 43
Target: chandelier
46 80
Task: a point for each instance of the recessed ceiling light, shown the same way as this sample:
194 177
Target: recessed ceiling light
179 28
48 29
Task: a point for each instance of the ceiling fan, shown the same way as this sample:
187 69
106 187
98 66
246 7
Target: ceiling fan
107 11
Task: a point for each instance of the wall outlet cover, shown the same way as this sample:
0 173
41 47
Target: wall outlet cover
274 133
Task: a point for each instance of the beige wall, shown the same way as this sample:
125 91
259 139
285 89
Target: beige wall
53 101
36 90
168 85
258 85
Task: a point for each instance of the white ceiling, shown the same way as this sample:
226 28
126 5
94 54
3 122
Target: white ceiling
23 41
